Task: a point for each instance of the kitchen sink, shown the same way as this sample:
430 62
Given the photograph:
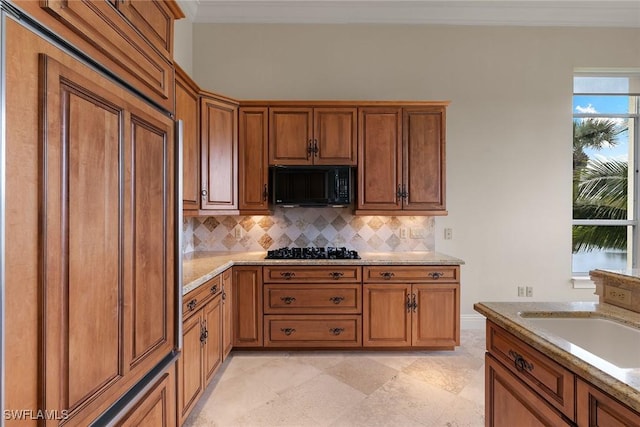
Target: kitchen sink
611 341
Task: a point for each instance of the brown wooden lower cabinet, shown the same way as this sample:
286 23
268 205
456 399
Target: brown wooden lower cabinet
596 408
227 313
201 347
247 306
418 315
312 331
524 387
157 408
509 402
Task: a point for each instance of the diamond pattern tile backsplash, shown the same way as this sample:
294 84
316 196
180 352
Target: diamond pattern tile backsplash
302 227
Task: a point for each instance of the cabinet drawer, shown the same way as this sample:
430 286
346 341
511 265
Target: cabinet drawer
198 297
312 331
413 274
320 274
547 378
313 298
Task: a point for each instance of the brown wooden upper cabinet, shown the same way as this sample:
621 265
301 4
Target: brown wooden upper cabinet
312 135
134 38
219 151
401 153
187 104
252 161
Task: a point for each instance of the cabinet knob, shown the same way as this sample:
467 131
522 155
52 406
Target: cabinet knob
336 274
336 331
336 300
214 289
204 193
191 305
287 300
287 331
387 275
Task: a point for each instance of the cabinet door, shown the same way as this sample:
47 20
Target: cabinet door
100 24
424 158
153 20
386 316
335 136
108 299
187 102
190 365
213 342
219 149
253 160
157 408
247 306
379 158
227 313
436 317
509 402
148 240
290 136
596 408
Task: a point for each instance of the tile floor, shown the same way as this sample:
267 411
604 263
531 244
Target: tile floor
269 389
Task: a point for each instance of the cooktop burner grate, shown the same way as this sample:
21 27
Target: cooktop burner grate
313 253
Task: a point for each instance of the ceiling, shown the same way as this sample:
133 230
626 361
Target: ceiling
574 13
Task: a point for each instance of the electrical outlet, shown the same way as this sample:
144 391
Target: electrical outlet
417 233
239 232
403 233
520 291
529 291
448 233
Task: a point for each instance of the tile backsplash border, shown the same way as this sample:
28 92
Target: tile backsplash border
302 227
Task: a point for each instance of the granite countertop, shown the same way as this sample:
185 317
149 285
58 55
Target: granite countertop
623 384
198 267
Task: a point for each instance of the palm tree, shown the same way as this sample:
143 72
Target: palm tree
599 186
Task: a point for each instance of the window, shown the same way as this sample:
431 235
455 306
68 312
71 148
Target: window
605 157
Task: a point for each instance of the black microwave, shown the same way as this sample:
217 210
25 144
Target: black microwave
311 185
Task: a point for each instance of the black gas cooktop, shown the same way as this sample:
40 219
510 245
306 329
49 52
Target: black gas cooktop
313 253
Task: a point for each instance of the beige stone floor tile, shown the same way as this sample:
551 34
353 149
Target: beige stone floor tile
417 400
319 359
462 413
275 413
224 401
369 413
395 360
362 373
451 372
282 374
474 389
324 399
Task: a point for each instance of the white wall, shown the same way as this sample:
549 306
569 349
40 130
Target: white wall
508 127
183 44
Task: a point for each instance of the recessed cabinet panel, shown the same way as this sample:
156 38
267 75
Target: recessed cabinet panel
379 158
335 136
386 316
423 158
436 316
290 136
81 210
219 150
253 160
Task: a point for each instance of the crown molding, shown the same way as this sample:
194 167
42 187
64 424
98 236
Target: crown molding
563 13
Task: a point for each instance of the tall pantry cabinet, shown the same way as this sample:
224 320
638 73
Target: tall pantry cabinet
89 280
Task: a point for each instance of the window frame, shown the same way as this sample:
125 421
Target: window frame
634 212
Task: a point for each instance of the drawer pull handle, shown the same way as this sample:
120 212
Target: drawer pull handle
287 275
520 362
336 300
191 305
214 289
336 331
435 275
287 331
287 300
386 275
336 275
